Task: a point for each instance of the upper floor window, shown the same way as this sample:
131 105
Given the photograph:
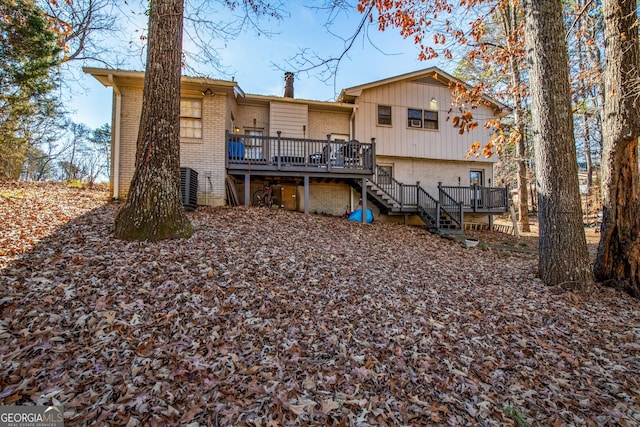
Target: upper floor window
423 119
190 118
384 115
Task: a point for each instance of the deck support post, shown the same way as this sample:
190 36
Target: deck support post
247 189
329 152
279 151
306 194
364 200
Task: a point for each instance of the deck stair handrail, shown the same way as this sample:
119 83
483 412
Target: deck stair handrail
451 207
408 197
403 195
447 210
428 207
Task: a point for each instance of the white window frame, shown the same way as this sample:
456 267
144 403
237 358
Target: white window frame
191 119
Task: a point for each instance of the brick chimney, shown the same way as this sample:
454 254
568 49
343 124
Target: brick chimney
288 84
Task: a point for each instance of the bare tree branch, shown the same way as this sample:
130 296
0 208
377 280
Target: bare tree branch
577 18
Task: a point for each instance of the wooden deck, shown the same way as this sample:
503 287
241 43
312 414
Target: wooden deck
268 155
352 161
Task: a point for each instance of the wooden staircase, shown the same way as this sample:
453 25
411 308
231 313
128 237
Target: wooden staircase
392 206
396 198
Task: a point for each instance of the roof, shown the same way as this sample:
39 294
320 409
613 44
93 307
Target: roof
318 105
108 77
431 74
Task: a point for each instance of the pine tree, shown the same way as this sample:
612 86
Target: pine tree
563 256
29 50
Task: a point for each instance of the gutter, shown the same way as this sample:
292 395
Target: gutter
116 138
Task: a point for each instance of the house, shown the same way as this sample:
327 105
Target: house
391 137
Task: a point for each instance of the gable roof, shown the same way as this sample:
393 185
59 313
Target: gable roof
348 96
106 76
431 75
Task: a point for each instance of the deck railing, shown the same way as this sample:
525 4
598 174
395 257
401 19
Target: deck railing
479 198
278 152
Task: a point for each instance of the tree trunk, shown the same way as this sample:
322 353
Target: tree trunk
618 260
563 256
509 17
584 91
153 210
523 185
593 53
587 150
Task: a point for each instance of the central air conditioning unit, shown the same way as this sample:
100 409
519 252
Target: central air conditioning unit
415 123
189 188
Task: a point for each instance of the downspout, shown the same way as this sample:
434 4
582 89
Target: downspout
116 139
353 123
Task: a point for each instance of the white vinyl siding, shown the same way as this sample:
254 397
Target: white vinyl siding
290 119
406 141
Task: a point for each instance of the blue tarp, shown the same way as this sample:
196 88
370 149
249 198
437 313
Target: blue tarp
236 150
357 216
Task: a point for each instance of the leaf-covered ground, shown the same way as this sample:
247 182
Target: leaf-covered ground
268 318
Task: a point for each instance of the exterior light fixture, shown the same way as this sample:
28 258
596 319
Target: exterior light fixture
207 91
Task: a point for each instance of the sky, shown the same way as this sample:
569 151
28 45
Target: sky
257 62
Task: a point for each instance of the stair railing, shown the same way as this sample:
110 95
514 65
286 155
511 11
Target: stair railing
414 196
428 206
402 194
451 207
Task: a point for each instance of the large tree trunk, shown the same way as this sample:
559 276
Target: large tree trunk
154 210
509 16
523 184
618 260
563 256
